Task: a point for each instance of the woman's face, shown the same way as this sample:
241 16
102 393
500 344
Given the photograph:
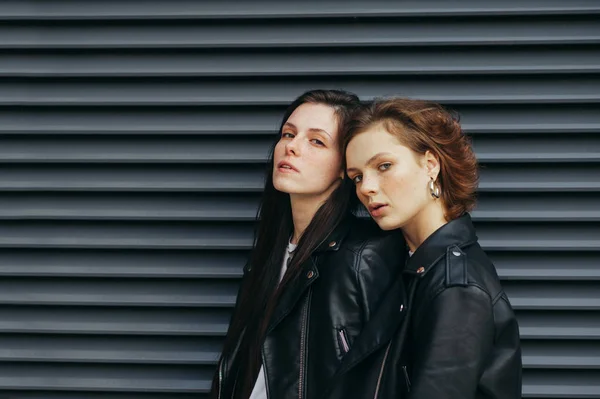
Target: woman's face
307 159
391 180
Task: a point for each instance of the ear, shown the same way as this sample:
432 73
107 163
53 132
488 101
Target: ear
432 164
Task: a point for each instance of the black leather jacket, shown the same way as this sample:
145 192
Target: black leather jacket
459 338
322 313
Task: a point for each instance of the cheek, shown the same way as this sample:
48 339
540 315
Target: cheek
327 165
403 185
279 150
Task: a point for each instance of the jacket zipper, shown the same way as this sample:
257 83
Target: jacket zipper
343 340
303 343
387 351
406 378
220 379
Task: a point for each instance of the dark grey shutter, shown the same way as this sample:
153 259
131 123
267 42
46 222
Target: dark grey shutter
132 141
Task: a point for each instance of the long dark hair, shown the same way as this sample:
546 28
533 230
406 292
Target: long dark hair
261 287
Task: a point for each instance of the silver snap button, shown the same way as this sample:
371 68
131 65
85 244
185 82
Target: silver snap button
401 308
310 274
332 244
455 253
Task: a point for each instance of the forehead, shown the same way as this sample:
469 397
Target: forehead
314 116
373 141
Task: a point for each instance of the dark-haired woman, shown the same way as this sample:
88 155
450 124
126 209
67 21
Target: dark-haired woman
415 170
316 274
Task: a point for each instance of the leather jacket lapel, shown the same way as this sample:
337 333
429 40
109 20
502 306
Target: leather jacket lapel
290 296
380 329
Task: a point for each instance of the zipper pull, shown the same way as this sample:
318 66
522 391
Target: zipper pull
343 340
405 372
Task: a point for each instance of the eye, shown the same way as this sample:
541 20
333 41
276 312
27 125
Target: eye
317 142
384 166
287 135
357 179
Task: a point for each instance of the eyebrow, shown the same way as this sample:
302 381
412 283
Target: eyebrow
312 129
371 160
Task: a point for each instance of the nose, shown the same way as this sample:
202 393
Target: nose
369 186
292 148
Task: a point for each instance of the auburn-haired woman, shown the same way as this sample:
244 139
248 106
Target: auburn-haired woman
316 273
415 170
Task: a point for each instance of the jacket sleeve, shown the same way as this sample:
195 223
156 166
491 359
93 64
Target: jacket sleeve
379 264
453 336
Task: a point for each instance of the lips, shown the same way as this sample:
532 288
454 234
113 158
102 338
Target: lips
376 209
284 166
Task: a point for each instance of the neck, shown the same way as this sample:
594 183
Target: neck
423 225
303 211
304 208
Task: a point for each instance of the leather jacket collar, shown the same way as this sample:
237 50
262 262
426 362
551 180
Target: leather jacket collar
337 236
309 273
459 232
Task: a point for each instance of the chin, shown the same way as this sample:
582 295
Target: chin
386 224
284 186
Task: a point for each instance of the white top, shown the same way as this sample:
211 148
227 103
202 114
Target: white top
260 389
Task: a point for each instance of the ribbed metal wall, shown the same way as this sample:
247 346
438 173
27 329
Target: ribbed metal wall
132 141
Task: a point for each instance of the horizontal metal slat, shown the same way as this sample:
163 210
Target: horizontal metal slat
379 32
24 394
309 62
117 350
561 384
548 295
97 292
122 264
141 235
49 319
246 120
167 121
570 324
185 9
129 206
543 207
273 91
169 149
537 236
561 354
539 178
246 178
526 149
536 266
133 378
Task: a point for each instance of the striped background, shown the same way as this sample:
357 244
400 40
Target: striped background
133 136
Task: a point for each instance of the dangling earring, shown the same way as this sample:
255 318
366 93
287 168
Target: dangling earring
434 189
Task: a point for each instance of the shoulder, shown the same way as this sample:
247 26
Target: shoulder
467 267
367 244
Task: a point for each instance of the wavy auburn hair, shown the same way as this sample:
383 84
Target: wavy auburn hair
427 126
